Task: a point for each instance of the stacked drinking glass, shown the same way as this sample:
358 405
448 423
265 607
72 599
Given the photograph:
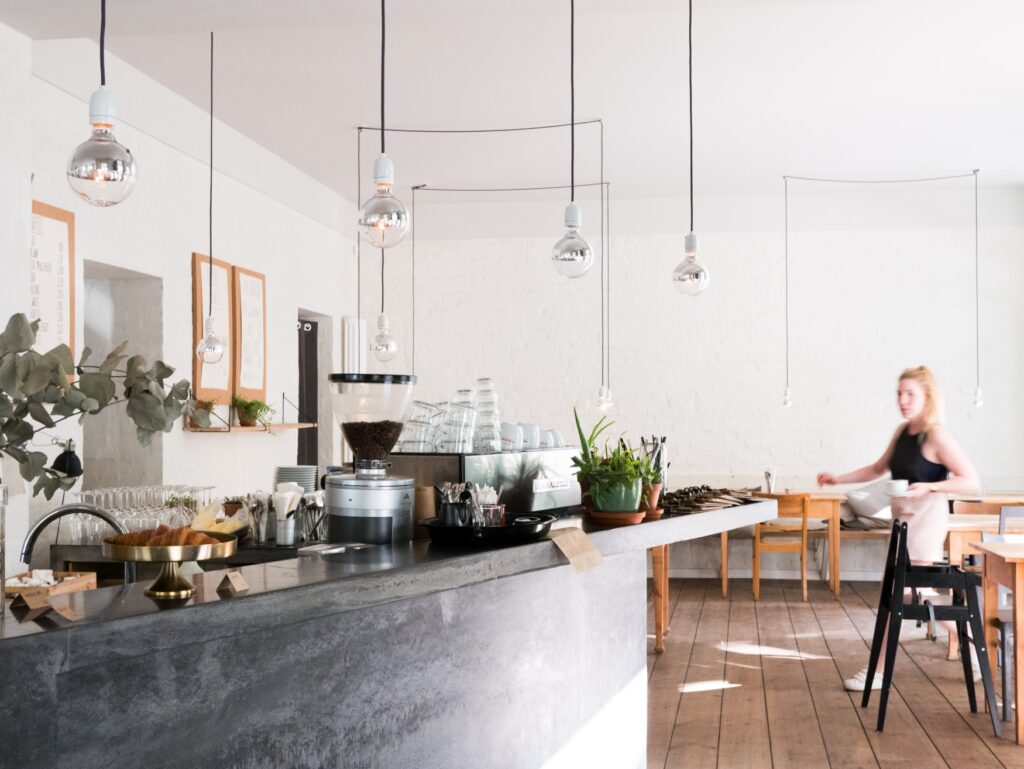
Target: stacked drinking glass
487 436
455 435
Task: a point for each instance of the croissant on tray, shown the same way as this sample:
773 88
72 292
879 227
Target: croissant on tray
165 536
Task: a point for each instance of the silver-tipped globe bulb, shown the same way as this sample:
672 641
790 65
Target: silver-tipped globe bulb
211 347
572 255
383 346
383 220
979 400
787 398
689 277
102 170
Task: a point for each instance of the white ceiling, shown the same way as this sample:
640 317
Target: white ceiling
854 88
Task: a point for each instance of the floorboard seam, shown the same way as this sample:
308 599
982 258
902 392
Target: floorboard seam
679 703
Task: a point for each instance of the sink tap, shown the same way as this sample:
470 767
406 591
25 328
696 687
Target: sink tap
60 512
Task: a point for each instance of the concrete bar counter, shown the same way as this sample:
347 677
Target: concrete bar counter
407 656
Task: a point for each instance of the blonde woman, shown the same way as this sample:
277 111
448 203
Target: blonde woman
923 453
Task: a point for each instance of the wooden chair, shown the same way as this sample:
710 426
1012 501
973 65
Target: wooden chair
786 534
975 508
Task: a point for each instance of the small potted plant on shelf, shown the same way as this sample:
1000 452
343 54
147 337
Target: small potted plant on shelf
611 477
653 484
252 412
207 407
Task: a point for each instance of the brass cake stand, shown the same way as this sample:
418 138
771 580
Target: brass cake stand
171 584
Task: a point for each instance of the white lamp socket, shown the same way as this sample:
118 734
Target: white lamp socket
690 245
383 171
573 216
102 107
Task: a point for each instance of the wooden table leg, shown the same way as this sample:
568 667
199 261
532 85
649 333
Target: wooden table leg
834 554
1018 647
657 567
666 626
990 616
955 546
725 564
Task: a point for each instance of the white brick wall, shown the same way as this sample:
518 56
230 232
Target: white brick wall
709 372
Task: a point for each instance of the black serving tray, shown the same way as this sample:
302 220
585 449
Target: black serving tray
520 530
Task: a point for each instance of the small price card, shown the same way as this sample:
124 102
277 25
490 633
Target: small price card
233 583
577 547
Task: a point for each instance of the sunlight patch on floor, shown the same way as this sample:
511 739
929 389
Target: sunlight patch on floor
706 686
734 647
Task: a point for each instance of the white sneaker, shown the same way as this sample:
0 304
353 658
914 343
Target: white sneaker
856 683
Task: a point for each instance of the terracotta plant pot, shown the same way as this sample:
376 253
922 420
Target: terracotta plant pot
652 495
245 419
612 518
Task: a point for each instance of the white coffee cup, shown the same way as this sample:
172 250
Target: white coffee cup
547 439
531 435
898 488
511 436
559 440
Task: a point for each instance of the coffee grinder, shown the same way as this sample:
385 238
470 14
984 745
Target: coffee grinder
368 505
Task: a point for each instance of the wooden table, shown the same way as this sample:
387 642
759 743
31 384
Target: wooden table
1004 565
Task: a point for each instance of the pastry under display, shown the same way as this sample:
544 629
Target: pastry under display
175 546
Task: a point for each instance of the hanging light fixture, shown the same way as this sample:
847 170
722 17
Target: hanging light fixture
383 346
383 220
210 348
572 255
690 277
102 170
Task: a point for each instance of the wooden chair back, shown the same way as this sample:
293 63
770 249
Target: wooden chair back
790 506
975 508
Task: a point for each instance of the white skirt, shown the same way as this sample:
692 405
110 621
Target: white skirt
927 520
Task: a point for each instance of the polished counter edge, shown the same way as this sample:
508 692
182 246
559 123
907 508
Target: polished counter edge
123 621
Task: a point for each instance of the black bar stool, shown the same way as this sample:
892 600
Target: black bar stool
965 611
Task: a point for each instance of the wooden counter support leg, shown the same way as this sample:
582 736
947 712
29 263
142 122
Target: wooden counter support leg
660 598
725 564
666 627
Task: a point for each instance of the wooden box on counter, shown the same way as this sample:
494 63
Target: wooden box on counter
69 582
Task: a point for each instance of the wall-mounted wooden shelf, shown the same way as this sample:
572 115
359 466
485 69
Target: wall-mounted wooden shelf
273 427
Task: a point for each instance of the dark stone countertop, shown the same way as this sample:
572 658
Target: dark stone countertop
123 621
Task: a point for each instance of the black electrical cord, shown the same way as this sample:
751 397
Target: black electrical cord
382 24
572 101
689 29
210 314
382 281
103 42
977 299
359 249
785 183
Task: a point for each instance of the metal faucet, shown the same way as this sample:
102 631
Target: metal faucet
60 512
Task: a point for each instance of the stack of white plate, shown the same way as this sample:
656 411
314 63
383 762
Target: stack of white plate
304 475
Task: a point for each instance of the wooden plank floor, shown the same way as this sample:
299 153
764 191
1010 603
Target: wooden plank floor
755 685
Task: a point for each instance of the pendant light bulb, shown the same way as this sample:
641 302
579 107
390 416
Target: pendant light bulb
102 170
979 401
605 403
572 255
689 277
211 347
384 347
787 398
383 220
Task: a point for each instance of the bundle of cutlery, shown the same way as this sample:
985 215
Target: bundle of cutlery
700 499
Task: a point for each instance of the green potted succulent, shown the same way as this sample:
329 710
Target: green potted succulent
252 412
611 477
40 390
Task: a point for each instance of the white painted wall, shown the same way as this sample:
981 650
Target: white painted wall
268 217
879 280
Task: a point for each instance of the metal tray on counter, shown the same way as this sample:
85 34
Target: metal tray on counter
520 530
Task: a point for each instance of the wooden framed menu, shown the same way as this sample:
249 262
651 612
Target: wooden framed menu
52 300
250 342
212 381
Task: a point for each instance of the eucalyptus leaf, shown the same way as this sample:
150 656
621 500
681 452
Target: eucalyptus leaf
99 387
147 411
40 414
180 390
112 360
62 355
144 436
18 431
201 417
40 376
9 375
86 354
19 335
6 407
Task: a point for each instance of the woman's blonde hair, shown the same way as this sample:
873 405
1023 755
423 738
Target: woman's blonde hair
932 414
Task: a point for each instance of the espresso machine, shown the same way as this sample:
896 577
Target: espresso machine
368 505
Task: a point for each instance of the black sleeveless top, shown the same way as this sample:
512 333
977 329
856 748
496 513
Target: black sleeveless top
909 464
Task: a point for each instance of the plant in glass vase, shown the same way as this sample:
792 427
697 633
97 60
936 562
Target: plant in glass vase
40 390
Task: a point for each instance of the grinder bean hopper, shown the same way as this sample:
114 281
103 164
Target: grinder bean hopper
368 505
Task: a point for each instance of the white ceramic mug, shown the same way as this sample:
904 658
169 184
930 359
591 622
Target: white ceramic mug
559 440
531 435
511 436
898 488
547 439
